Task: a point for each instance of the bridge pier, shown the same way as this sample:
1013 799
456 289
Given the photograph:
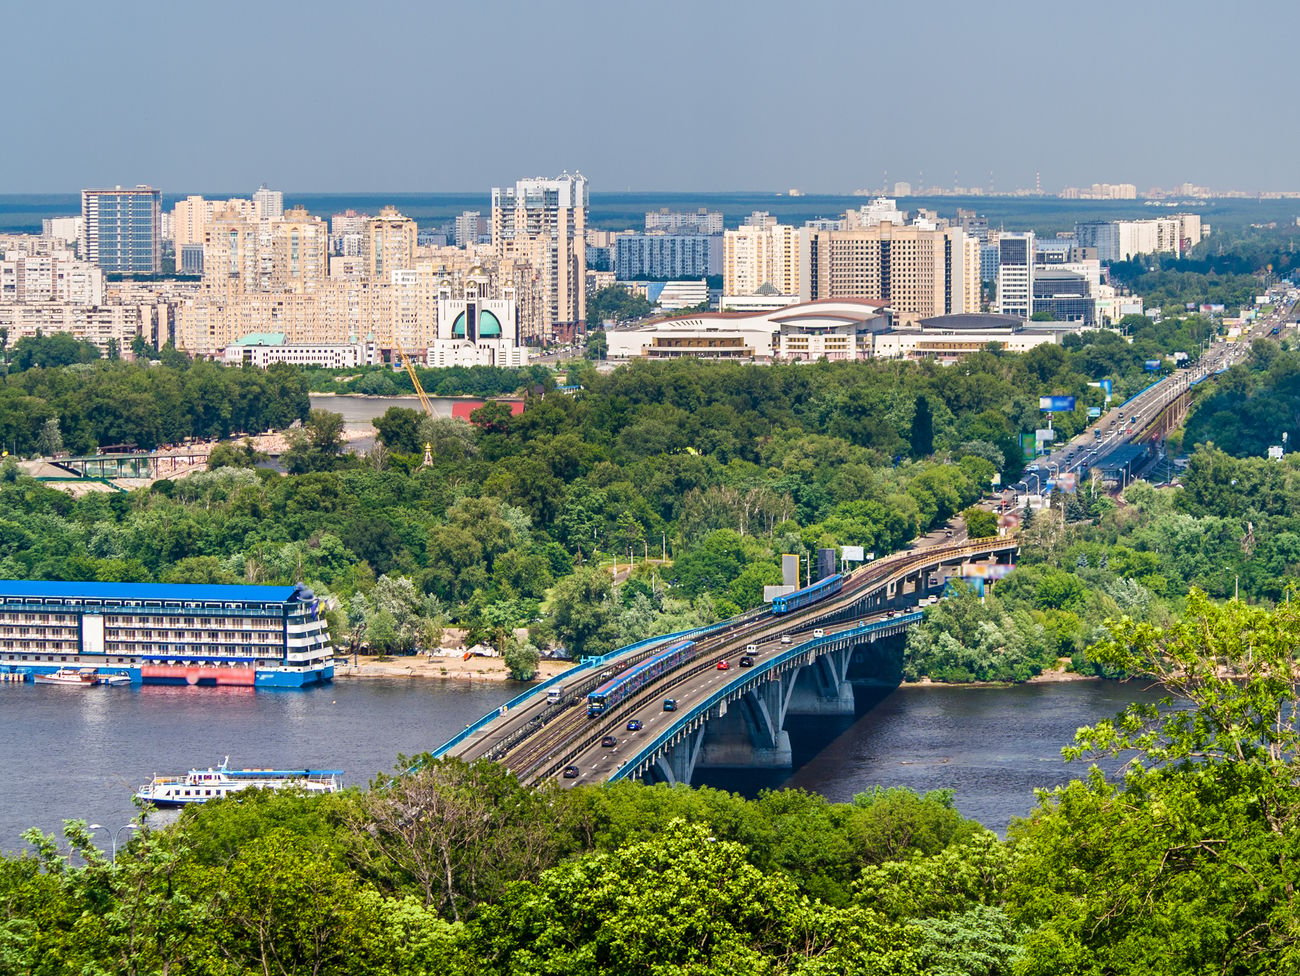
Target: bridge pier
822 687
748 731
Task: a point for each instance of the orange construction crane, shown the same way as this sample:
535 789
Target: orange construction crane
415 380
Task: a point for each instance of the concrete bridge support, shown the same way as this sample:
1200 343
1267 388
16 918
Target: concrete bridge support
677 763
749 730
822 687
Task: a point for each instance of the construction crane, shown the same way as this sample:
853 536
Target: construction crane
415 380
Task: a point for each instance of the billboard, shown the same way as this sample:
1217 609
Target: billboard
1152 365
1094 412
1028 447
1043 434
993 571
853 554
1056 404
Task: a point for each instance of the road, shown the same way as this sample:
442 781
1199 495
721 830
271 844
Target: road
1123 423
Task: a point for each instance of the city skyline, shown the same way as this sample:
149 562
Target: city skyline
774 100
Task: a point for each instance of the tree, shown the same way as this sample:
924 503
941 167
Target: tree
399 429
1190 864
49 441
980 523
583 612
318 446
615 303
522 659
922 437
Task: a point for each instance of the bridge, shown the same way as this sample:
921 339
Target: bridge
725 716
146 466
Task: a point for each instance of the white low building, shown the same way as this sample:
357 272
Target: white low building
264 348
835 329
947 338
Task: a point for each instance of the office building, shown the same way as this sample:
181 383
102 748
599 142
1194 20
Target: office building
1120 240
638 256
760 252
123 229
544 222
1064 294
915 270
1015 280
263 349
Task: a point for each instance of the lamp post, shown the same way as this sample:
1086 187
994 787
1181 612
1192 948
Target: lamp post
129 826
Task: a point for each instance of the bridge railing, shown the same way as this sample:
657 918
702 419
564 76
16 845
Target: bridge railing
656 745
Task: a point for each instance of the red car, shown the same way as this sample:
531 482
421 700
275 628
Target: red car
723 666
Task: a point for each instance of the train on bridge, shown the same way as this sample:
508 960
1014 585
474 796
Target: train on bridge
623 686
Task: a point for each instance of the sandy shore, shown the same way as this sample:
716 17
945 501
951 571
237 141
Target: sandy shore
422 666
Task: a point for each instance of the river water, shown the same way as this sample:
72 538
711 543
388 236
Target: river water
80 753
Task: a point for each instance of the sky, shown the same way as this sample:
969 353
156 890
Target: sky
827 96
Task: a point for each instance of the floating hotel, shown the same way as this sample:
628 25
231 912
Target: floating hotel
162 633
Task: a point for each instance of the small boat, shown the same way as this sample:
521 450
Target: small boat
201 785
79 677
114 679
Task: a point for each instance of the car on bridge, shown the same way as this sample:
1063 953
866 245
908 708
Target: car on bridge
608 742
571 772
746 662
670 704
634 725
723 665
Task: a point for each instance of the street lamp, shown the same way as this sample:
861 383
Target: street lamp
129 826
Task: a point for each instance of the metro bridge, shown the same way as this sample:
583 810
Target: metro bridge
723 717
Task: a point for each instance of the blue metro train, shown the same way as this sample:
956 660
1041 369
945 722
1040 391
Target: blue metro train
625 685
809 594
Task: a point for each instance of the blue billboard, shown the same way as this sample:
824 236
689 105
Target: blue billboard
1056 404
1152 365
1094 412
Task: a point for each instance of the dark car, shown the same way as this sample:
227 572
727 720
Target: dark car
570 772
609 742
746 662
670 704
634 725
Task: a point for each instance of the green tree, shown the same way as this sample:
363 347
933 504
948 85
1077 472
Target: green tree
521 659
980 523
583 612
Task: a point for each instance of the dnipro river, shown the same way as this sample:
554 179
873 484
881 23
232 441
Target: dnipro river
80 753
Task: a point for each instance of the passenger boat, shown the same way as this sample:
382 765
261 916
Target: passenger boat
77 677
201 785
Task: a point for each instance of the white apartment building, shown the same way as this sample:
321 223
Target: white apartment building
56 276
268 204
108 327
760 252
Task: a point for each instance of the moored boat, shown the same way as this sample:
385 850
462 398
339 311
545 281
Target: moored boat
77 677
201 785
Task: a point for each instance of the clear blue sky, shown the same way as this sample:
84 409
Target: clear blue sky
825 95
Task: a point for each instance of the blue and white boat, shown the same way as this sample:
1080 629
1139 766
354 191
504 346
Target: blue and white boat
202 785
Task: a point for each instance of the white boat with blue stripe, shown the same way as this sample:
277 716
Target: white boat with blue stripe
202 785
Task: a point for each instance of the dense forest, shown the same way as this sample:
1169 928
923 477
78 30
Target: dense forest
1186 865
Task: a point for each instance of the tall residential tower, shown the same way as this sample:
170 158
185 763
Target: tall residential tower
123 229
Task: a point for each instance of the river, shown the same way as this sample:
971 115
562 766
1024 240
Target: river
80 753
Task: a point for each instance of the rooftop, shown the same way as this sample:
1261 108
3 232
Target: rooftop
150 591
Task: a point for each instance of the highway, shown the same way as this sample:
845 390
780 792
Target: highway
1124 423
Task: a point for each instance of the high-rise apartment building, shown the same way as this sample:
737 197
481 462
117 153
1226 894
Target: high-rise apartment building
703 221
761 252
268 204
1119 240
123 229
389 244
471 228
1015 283
917 271
544 222
667 256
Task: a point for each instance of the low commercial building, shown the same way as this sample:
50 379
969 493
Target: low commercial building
261 349
947 338
833 329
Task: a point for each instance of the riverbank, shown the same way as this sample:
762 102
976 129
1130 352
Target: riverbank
423 666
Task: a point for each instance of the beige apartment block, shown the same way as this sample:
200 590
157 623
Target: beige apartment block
389 244
105 326
915 270
760 252
544 222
